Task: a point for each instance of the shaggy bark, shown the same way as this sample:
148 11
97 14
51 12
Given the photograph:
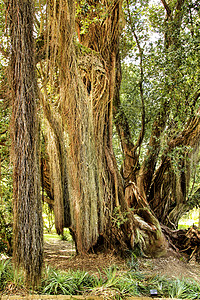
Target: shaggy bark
100 217
28 225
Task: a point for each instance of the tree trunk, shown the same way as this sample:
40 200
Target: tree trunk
169 190
100 217
162 181
199 219
28 225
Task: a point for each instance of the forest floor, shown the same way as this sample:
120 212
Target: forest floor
61 255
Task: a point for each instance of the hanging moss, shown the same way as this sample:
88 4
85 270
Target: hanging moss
81 131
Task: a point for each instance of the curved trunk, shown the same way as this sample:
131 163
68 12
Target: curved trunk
168 193
160 183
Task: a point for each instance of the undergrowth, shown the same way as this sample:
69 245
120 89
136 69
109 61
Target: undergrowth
110 283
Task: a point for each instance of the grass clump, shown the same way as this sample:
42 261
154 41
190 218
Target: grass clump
111 283
10 279
65 283
184 289
5 272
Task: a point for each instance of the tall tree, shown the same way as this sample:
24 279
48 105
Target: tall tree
95 206
173 142
28 226
80 77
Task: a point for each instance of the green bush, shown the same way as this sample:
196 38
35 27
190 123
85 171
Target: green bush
65 283
6 232
5 272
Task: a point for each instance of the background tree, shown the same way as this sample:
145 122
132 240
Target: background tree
172 130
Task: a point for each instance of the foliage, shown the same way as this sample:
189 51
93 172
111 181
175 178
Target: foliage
70 283
66 235
5 232
189 219
161 67
165 81
5 271
6 211
8 275
109 283
6 214
48 218
130 97
119 218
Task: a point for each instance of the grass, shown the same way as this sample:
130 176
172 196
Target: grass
111 283
48 236
65 237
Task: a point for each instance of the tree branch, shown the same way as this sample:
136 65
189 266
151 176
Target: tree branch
179 5
142 131
168 10
3 52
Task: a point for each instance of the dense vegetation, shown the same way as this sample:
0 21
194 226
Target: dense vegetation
111 283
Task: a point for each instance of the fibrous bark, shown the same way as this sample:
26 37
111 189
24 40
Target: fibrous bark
28 225
100 216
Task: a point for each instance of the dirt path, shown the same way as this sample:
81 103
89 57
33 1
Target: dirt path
62 255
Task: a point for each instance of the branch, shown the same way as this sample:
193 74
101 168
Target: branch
141 136
178 12
3 132
168 10
3 52
179 5
189 136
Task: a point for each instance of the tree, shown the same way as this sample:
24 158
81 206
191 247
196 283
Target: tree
28 231
163 174
79 73
91 72
88 188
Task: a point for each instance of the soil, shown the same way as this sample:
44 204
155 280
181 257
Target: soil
62 255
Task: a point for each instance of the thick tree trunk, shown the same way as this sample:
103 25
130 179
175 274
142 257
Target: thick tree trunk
91 165
99 212
28 225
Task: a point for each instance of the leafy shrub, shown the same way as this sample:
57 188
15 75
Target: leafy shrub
5 234
66 283
5 272
66 235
